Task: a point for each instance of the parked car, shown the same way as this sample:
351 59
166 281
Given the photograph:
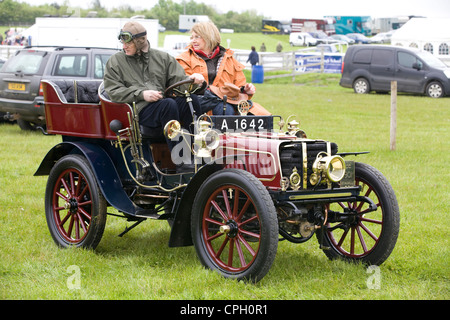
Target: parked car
343 38
21 96
161 28
251 187
302 39
359 38
327 48
372 68
382 37
322 37
2 114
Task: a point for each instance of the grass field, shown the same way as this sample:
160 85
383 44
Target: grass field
243 41
142 266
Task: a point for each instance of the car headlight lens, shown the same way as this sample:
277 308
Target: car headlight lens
335 168
330 167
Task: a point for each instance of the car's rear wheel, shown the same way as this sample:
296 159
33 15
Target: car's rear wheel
361 85
74 205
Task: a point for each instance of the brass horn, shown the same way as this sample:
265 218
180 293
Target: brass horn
172 129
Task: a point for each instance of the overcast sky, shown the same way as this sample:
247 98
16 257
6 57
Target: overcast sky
287 9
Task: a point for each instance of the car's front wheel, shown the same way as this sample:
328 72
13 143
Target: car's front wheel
435 90
362 233
234 225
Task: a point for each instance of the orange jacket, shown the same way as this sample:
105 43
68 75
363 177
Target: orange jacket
230 70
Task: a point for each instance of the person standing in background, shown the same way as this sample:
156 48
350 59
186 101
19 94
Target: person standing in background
253 57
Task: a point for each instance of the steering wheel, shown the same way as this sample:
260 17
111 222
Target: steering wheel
173 91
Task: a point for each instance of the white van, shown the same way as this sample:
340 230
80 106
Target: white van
302 39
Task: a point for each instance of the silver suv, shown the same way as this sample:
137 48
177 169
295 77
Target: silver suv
21 96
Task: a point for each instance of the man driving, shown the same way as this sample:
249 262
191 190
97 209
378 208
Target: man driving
140 74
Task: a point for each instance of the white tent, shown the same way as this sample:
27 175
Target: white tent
430 34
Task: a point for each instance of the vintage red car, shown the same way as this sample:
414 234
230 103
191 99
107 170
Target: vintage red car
253 185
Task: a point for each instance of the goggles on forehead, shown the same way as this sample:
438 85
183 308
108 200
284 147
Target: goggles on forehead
125 36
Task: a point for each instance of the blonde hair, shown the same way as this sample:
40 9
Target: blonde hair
209 32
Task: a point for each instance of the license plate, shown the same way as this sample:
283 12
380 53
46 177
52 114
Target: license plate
16 86
242 123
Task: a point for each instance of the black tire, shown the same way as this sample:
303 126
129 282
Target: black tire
435 90
236 199
371 237
361 86
74 205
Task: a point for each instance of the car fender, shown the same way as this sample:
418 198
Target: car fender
360 73
103 168
439 77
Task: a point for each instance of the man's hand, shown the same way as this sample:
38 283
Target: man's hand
249 89
197 77
152 95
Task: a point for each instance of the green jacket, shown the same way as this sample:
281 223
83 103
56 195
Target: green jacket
126 77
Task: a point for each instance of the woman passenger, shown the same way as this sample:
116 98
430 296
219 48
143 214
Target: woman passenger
206 56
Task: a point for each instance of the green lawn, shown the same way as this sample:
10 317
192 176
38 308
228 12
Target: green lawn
142 266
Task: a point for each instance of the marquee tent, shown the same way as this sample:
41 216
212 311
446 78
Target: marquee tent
429 34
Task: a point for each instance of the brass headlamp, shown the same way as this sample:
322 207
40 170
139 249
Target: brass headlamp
206 140
331 168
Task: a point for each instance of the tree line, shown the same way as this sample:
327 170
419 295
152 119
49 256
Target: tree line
166 11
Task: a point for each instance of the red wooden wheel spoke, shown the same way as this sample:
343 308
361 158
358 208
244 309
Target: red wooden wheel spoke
69 229
82 223
213 237
248 221
251 234
227 204
243 210
341 240
361 239
213 221
219 210
230 253
84 213
247 245
374 237
371 220
81 195
240 253
236 206
63 221
222 247
59 194
72 182
66 187
352 241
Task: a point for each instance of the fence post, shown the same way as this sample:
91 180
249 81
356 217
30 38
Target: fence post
293 65
322 60
393 115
